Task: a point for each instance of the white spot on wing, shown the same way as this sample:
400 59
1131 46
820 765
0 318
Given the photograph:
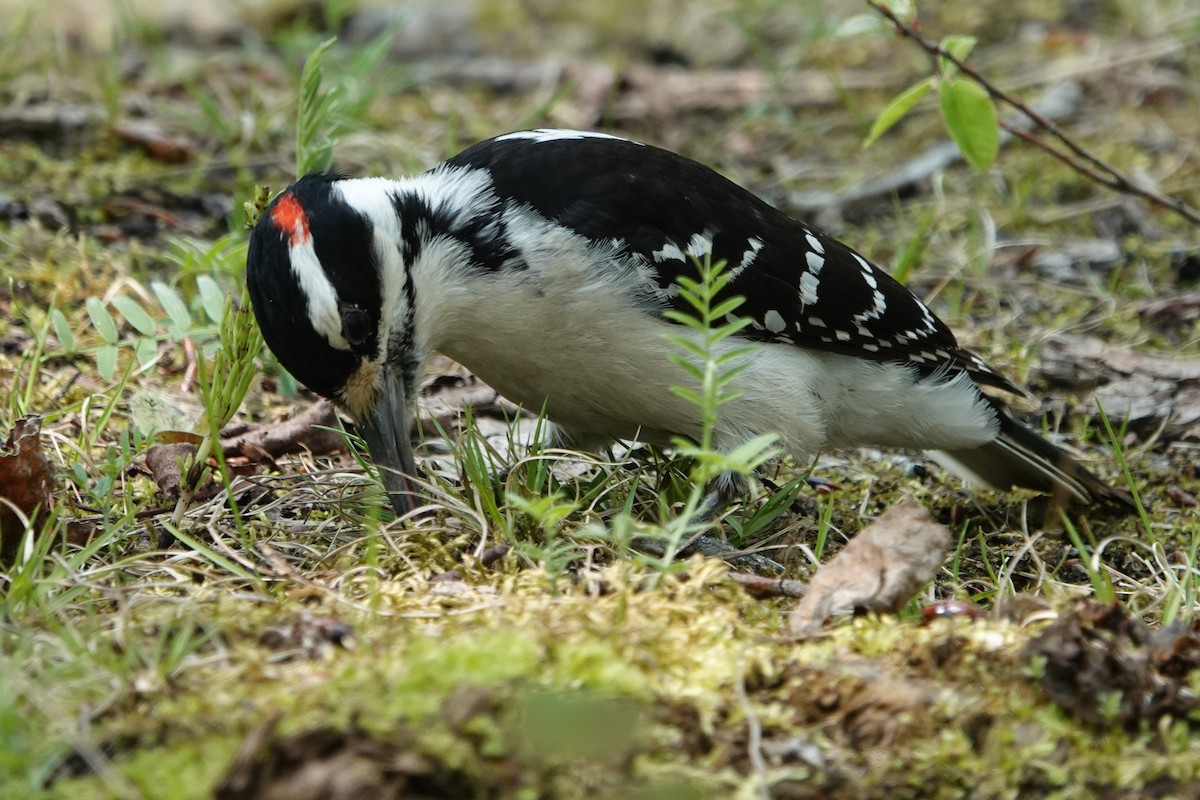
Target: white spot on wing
774 321
808 288
700 245
669 252
815 261
754 245
814 242
816 322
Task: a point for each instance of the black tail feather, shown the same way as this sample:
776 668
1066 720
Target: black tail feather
1020 457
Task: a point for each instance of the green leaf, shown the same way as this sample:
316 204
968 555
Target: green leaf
212 299
755 451
173 304
684 318
688 394
62 329
970 116
102 320
152 412
135 315
721 310
146 351
894 111
106 362
958 46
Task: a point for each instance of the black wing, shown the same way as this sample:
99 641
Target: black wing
800 287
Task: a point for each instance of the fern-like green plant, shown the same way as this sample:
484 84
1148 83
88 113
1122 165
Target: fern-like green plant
223 385
713 365
315 115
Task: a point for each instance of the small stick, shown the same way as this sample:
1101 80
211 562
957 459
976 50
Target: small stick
761 586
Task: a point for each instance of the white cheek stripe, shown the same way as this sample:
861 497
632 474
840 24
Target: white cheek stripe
322 305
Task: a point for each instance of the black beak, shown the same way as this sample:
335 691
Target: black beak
385 430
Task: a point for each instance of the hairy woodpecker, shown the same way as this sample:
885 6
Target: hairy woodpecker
543 261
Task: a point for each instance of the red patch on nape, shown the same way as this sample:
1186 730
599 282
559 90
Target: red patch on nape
288 216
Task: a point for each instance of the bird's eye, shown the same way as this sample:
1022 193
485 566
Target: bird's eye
356 325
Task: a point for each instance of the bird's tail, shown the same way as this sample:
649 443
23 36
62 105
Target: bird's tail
1021 457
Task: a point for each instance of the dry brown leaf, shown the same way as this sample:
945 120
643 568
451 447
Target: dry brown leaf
164 462
25 481
879 570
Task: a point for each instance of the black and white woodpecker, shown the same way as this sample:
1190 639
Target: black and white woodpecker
543 262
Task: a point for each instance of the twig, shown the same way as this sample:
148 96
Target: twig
1078 158
1057 102
761 586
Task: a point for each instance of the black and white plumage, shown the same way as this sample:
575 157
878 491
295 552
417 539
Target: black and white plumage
543 261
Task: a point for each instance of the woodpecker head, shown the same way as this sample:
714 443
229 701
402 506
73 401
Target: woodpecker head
328 289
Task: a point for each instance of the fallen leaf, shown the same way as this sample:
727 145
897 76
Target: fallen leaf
949 609
1174 310
1182 497
762 586
164 462
879 570
25 482
449 392
49 119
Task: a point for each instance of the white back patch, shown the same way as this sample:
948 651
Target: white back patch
559 134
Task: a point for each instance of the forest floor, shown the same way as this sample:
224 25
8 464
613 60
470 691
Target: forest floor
283 636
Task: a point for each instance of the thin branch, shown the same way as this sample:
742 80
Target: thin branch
761 586
1078 157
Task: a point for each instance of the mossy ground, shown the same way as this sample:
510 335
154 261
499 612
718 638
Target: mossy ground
130 672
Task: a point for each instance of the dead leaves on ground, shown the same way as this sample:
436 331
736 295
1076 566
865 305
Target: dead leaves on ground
26 482
1109 668
879 570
